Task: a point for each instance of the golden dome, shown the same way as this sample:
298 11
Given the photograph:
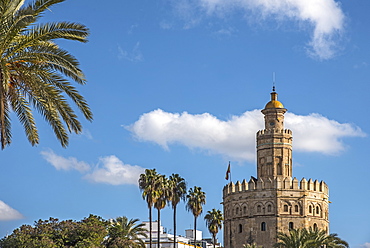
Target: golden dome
274 103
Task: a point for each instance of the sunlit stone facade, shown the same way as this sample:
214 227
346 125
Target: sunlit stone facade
256 210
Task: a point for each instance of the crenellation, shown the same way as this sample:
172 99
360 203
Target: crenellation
303 184
231 187
251 184
238 186
274 131
244 185
268 184
260 184
287 184
295 183
316 186
310 184
278 183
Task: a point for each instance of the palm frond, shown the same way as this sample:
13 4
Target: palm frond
21 107
35 72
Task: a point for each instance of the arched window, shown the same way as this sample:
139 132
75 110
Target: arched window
240 228
291 225
314 226
269 208
285 208
296 208
237 211
245 210
317 210
259 209
310 209
263 226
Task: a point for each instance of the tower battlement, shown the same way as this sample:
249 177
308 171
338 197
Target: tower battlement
287 184
274 131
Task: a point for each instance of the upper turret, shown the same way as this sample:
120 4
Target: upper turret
274 113
274 143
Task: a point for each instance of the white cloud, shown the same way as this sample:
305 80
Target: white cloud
61 163
235 138
366 245
324 17
8 213
114 171
135 55
109 170
316 133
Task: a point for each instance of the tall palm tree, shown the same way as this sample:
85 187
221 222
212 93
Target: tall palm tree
214 220
123 232
177 186
147 184
162 193
195 200
35 73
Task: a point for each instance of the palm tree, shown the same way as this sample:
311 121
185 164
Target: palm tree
177 186
123 232
196 198
333 241
310 238
317 236
147 184
296 238
36 73
162 193
214 223
320 238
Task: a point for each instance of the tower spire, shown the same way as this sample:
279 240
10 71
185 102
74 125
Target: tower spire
273 82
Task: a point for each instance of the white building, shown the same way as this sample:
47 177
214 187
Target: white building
166 239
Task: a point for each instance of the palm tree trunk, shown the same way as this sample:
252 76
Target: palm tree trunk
174 226
214 240
150 227
159 228
195 231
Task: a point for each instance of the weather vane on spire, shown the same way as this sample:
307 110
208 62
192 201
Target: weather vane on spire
273 81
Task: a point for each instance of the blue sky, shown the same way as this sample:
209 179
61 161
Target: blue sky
178 85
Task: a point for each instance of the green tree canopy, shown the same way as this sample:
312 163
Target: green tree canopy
89 232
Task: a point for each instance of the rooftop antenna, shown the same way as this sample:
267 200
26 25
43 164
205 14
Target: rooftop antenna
273 81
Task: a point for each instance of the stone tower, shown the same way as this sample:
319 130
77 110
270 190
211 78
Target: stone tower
256 210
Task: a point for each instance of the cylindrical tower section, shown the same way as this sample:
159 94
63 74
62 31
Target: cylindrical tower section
274 154
274 143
